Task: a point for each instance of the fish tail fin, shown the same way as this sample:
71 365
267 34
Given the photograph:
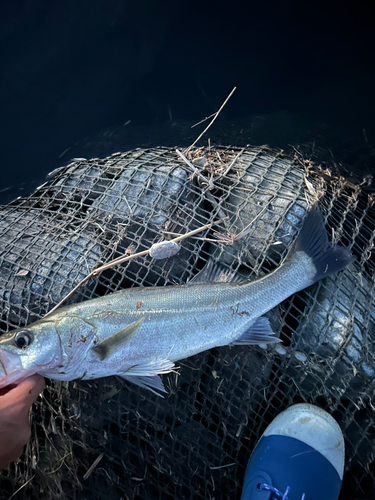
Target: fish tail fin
313 240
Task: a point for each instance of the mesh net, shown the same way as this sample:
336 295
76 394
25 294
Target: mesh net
109 439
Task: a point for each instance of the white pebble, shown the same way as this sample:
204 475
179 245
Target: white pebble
280 349
164 249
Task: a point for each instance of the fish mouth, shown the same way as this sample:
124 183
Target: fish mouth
11 369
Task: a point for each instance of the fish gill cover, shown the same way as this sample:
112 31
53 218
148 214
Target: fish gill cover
107 438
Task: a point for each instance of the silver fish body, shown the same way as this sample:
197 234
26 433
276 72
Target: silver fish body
141 332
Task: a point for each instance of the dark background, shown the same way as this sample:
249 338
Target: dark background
73 72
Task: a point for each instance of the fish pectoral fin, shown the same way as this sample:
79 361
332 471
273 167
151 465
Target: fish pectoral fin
153 384
260 332
116 340
145 375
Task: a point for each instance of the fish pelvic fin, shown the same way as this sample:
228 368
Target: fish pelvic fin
313 240
153 384
260 332
145 375
116 340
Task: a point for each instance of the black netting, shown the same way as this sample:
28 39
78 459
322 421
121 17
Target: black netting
109 439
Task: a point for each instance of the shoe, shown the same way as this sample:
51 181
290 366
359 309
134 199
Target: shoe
301 455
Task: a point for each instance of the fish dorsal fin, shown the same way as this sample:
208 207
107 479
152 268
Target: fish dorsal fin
116 340
214 272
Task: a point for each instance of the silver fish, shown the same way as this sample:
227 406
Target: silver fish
139 333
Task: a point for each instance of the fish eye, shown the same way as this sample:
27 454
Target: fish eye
22 339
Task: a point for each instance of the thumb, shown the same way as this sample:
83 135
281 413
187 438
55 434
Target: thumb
28 390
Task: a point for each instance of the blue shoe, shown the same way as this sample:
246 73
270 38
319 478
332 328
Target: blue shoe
301 455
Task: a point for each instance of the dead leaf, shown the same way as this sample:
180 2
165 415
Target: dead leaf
23 272
310 187
130 250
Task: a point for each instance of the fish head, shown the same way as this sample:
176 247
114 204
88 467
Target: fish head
29 350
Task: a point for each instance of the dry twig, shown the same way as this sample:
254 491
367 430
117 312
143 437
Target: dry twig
92 466
20 488
211 122
194 169
233 162
122 259
204 119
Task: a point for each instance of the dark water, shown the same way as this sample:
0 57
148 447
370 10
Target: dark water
74 72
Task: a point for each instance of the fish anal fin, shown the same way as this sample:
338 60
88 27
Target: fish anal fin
117 339
260 332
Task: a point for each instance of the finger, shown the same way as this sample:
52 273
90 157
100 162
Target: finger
26 391
5 390
11 456
29 388
15 405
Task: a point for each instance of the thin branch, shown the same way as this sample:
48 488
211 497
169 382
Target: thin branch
246 229
211 122
118 260
20 488
207 118
222 466
233 162
92 467
122 259
194 169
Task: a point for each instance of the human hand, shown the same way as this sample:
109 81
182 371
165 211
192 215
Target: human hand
15 404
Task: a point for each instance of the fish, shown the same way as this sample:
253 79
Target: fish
141 333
